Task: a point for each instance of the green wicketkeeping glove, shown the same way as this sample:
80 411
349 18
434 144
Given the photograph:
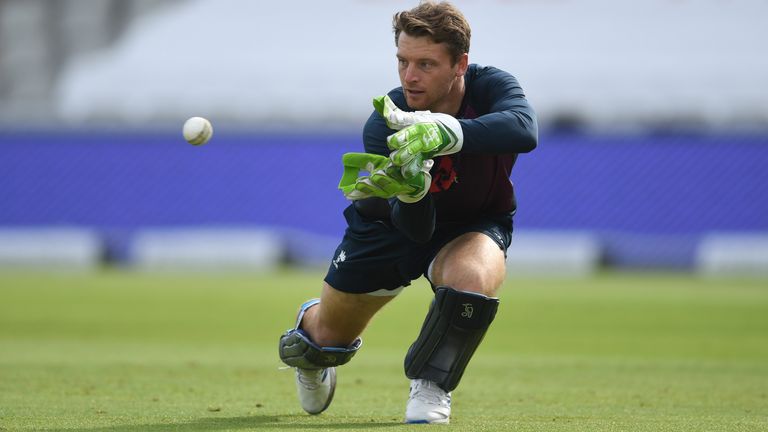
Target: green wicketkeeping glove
384 180
421 135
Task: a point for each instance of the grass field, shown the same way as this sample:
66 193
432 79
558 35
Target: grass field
120 351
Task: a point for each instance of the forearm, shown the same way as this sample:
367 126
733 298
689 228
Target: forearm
415 220
512 131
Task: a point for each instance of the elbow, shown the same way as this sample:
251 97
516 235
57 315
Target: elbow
419 233
532 137
421 236
526 141
526 131
416 221
531 140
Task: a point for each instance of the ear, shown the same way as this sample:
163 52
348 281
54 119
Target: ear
462 64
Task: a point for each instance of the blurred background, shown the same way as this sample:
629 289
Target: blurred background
653 116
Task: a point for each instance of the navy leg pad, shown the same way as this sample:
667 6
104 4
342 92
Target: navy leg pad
453 329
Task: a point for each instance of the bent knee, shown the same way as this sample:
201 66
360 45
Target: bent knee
476 279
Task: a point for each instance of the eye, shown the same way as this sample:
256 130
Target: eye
402 63
426 65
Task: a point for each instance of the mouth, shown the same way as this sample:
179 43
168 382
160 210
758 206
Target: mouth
411 92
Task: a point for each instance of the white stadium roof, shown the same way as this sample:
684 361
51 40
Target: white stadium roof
321 62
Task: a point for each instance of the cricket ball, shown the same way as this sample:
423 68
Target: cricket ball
197 130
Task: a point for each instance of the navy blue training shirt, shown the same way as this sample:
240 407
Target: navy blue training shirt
498 124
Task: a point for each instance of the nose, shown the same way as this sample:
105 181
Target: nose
411 74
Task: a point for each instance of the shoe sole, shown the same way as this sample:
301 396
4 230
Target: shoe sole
444 421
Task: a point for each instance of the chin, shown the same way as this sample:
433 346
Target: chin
415 104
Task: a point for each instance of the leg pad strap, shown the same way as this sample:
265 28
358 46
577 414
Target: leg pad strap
453 329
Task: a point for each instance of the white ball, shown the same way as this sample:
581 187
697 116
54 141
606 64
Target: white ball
197 130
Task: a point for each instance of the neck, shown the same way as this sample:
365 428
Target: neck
452 102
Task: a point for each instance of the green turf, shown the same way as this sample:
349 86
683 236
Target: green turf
120 351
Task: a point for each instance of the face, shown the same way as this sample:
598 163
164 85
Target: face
429 78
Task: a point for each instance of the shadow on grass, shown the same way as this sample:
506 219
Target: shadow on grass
220 423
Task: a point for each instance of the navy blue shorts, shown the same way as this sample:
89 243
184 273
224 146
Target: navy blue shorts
374 255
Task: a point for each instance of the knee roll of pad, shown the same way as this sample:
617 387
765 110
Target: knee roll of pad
453 329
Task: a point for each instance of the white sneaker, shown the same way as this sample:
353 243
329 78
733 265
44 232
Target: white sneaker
316 387
428 403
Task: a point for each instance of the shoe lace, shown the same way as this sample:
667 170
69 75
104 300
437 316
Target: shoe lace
310 379
430 393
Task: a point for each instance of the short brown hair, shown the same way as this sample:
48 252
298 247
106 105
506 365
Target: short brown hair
442 22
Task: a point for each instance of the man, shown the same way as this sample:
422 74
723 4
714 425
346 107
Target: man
437 201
